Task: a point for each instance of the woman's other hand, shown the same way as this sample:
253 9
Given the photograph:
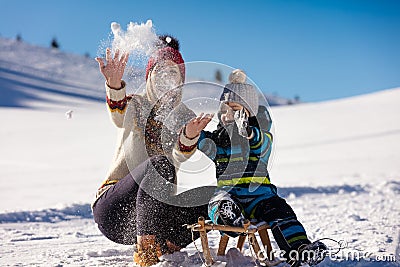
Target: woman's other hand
196 125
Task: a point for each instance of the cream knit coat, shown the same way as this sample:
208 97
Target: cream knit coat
129 114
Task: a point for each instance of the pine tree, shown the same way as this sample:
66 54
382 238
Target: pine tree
54 44
218 76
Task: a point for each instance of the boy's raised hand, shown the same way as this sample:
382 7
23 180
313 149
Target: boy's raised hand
242 122
196 125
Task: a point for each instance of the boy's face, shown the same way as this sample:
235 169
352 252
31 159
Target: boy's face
228 110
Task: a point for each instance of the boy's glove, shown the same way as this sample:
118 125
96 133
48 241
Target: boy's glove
242 122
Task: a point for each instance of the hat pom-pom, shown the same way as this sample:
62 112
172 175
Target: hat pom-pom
169 41
237 76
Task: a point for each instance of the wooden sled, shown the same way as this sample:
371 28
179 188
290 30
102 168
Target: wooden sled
249 230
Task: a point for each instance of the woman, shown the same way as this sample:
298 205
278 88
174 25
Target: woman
136 204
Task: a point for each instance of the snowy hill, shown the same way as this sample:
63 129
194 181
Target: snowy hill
352 140
37 77
336 163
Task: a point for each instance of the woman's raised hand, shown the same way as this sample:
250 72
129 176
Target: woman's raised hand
196 125
114 68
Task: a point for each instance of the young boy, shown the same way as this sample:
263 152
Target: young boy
240 150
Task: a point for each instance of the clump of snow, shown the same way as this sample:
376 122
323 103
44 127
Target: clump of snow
138 38
140 41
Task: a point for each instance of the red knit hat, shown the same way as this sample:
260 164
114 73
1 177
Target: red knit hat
169 51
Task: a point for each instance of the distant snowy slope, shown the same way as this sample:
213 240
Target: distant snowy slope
350 140
40 77
32 76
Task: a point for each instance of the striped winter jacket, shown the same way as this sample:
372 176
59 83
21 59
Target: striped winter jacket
238 164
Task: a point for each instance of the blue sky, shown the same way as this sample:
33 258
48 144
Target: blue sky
317 50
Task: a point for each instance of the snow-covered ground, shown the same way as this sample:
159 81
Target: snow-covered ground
337 163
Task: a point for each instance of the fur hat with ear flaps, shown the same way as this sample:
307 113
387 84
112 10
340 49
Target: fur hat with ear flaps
238 91
168 49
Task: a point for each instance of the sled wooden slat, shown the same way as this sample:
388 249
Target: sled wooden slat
223 242
253 242
248 229
266 242
204 242
225 228
240 243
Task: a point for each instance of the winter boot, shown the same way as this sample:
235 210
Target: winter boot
222 209
148 251
230 213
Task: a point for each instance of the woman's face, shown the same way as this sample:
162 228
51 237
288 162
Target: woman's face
165 76
228 110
